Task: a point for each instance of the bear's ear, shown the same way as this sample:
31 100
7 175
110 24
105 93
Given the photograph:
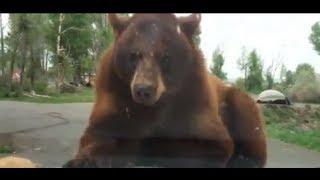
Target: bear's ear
190 24
118 23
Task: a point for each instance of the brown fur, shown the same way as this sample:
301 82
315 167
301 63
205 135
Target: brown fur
193 120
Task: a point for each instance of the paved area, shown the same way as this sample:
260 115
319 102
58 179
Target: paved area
48 134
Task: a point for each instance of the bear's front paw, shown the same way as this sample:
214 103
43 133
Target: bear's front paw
80 163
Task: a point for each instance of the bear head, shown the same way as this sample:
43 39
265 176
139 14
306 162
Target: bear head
153 53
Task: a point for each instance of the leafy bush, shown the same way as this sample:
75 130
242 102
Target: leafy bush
306 88
41 87
240 84
26 85
4 85
4 81
6 149
280 87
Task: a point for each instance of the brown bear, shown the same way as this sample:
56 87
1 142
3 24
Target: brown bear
157 105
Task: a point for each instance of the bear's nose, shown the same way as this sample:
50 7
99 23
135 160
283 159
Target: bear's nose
144 92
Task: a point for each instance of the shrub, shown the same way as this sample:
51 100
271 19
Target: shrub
306 88
41 87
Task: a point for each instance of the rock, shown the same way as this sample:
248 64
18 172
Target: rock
67 88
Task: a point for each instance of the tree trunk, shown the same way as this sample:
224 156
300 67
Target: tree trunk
58 55
32 68
38 58
2 47
103 19
23 63
83 78
245 79
89 79
42 61
12 63
46 61
77 74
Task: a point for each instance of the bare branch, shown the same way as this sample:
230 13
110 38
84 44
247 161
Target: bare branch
4 26
68 52
72 28
278 62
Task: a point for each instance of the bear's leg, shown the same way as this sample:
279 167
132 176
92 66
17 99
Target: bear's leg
246 127
98 150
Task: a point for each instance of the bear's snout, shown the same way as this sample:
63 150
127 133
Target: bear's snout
144 94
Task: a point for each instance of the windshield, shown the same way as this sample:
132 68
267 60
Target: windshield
159 90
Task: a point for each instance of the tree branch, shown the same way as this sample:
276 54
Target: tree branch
72 28
278 62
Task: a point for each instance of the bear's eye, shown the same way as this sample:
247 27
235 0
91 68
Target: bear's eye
165 58
164 61
134 57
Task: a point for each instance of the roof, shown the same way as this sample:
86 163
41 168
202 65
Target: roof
271 95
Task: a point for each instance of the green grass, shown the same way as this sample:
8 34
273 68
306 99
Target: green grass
84 95
5 149
309 139
284 124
